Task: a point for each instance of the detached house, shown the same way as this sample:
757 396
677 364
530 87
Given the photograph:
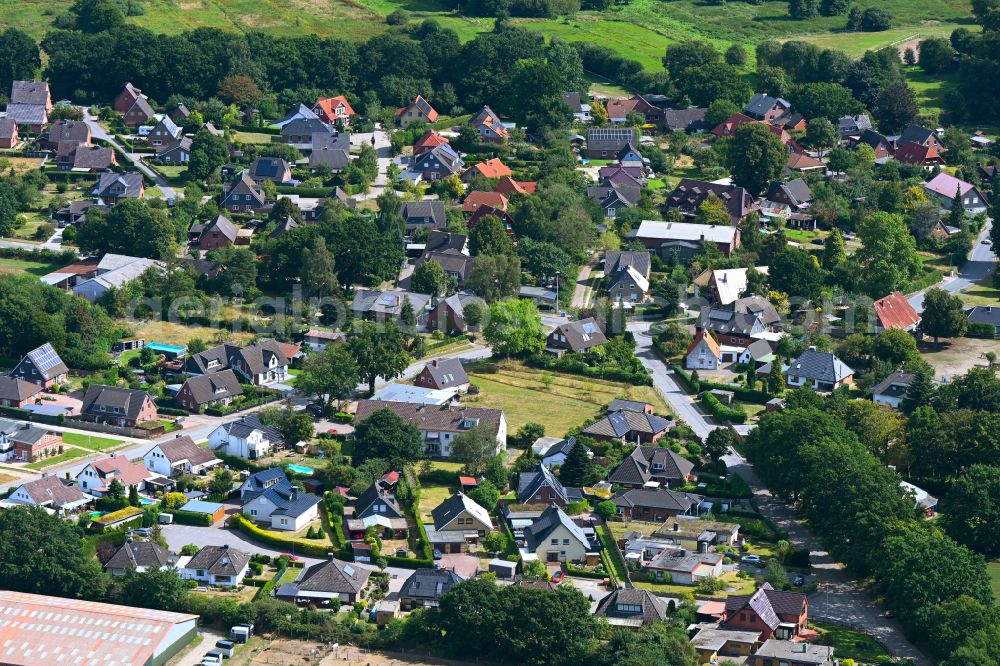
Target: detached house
424 215
492 168
417 111
689 195
740 322
299 132
384 305
376 507
114 187
323 582
176 152
220 232
703 353
487 123
30 103
655 504
179 456
75 131
434 164
853 125
211 390
651 463
773 613
245 437
330 150
164 132
894 311
93 159
41 366
333 109
554 537
606 143
430 139
627 426
281 505
132 104
575 336
943 188
821 371
117 406
892 390
632 608
8 133
627 274
274 169
425 587
139 556
443 373
449 314
96 477
458 520
17 392
439 425
540 486
243 195
216 565
50 492
25 442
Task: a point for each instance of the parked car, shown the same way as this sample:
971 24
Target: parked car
799 580
558 577
751 559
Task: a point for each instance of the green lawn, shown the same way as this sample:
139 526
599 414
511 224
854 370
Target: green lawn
38 268
929 89
849 644
91 442
982 293
557 401
170 171
68 454
993 569
254 137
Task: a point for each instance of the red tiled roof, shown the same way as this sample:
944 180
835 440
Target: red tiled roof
476 199
508 185
467 481
493 168
705 334
894 311
330 104
429 140
798 161
914 153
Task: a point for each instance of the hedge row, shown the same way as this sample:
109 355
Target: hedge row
280 542
741 393
720 412
182 517
318 192
67 256
25 415
576 367
172 411
256 130
584 573
414 509
268 586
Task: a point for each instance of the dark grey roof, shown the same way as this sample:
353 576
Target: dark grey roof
915 134
46 360
572 99
369 504
758 306
452 261
421 209
131 180
134 554
29 92
687 120
580 335
759 349
778 651
27 114
293 503
459 503
621 405
610 139
182 143
143 104
333 577
894 385
222 225
306 127
182 448
429 583
819 366
443 156
854 124
529 483
563 446
17 389
93 157
724 320
284 227
873 138
442 241
761 103
657 498
69 130
984 314
621 424
538 532
219 560
637 468
620 604
271 168
99 399
7 127
249 423
168 126
690 194
607 195
615 260
796 190
447 372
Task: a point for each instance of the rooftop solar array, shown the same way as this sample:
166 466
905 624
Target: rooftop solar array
45 358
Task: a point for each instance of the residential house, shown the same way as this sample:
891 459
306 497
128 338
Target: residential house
113 271
92 159
217 566
771 612
25 442
133 105
218 233
853 125
575 336
280 505
985 314
618 174
790 653
449 314
301 112
333 110
606 143
927 156
473 200
779 128
178 152
766 108
690 120
202 391
757 352
434 164
943 188
613 199
417 111
458 520
75 131
686 568
622 405
74 212
648 464
96 477
629 427
50 492
443 373
424 215
689 195
299 133
822 371
385 305
32 117
580 110
332 151
179 113
242 194
274 169
619 110
455 264
803 163
42 366
894 311
703 353
920 136
540 486
17 392
425 587
117 406
485 210
376 507
492 168
8 133
30 103
489 126
179 456
139 556
114 187
883 147
430 139
632 608
164 132
740 322
126 98
726 286
791 197
554 450
318 340
260 364
440 425
924 501
714 644
554 537
697 534
891 391
627 275
319 584
258 482
509 187
630 157
655 504
445 241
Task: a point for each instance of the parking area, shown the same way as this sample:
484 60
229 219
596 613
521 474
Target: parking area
590 588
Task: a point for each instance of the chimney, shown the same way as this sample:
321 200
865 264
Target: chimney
677 527
434 363
295 493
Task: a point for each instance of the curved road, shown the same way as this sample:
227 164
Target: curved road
982 261
97 131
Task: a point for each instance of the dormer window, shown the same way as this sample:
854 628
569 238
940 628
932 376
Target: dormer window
470 423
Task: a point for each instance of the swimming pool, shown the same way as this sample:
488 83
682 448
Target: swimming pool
146 501
300 469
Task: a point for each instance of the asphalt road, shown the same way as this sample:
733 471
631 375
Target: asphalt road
982 261
97 131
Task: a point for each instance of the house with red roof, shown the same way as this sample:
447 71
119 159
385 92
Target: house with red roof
427 142
915 153
894 311
489 127
96 478
485 210
476 199
509 186
729 126
333 109
703 353
943 187
769 611
491 168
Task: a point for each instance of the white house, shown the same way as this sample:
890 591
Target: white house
821 371
97 476
554 537
703 353
179 455
440 425
942 189
268 497
891 391
216 565
246 437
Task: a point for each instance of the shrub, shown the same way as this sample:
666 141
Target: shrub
190 549
980 329
182 517
710 585
606 509
720 411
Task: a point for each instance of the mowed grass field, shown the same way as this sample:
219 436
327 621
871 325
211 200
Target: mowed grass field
558 401
993 569
38 268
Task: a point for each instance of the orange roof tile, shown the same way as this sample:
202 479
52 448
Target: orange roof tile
493 168
330 105
706 335
476 199
894 311
508 185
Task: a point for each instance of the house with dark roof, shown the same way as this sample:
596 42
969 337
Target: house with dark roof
417 111
772 612
376 507
96 477
485 210
627 275
139 556
246 437
179 113
438 162
274 169
18 392
892 390
50 492
261 363
457 521
632 608
629 427
489 126
42 366
853 125
332 151
881 144
685 239
985 314
117 406
613 199
449 314
540 486
220 232
26 442
689 195
319 584
740 322
76 131
455 265
554 450
242 195
894 311
114 187
917 154
299 132
92 159
655 504
821 371
30 103
622 405
164 132
606 143
921 136
791 653
652 464
580 110
126 98
202 391
766 108
793 195
424 588
216 565
179 455
443 373
440 425
424 215
575 336
682 567
554 537
691 119
378 305
280 505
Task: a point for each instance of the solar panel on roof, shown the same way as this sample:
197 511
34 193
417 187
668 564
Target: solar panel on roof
590 328
349 570
45 358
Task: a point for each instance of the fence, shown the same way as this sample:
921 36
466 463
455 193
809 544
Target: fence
138 433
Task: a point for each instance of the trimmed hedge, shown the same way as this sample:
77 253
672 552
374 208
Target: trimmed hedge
172 411
576 367
319 192
182 517
25 415
67 256
980 329
280 542
720 411
583 573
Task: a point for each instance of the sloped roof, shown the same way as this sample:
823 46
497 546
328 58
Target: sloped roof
819 366
434 418
686 231
476 199
894 311
330 105
706 335
30 92
620 424
615 260
731 282
946 185
223 226
538 532
120 467
17 389
653 608
582 334
93 157
219 560
446 511
636 469
50 489
46 361
895 384
183 448
448 372
528 483
134 554
660 498
492 168
430 139
334 577
429 583
129 401
216 386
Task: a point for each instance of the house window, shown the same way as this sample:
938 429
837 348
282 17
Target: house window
565 542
